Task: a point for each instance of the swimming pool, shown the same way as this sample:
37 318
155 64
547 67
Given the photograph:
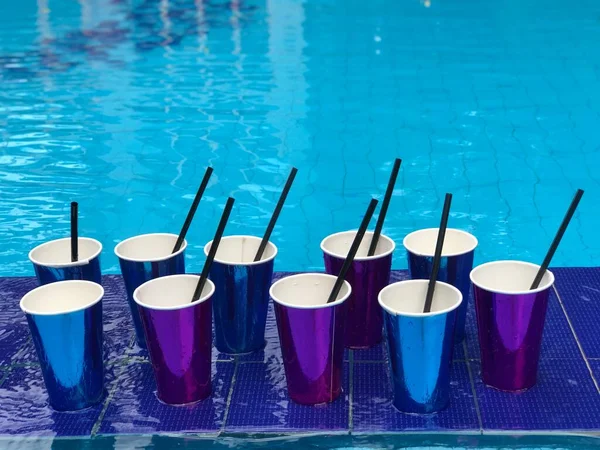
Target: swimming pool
121 105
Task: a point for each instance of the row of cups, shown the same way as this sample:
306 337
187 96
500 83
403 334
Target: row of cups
65 316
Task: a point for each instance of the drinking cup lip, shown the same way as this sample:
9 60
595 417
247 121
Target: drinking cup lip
339 301
542 287
421 314
410 248
147 284
79 262
120 255
240 263
67 284
358 258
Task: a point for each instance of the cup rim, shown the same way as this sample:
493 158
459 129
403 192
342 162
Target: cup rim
431 254
163 258
80 262
300 275
429 314
540 288
358 258
251 263
62 283
202 299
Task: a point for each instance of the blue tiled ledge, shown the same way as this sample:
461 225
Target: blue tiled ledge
250 393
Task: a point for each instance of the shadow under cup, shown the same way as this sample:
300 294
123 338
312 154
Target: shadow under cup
455 265
241 299
510 322
146 257
311 334
420 344
65 320
178 335
368 275
52 261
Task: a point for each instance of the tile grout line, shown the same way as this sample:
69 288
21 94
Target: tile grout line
585 359
351 392
473 390
109 397
230 396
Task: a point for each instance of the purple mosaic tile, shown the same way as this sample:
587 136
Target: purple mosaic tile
14 332
579 290
595 366
558 340
260 403
372 407
25 410
134 407
564 398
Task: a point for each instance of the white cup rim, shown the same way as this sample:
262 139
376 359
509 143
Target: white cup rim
540 288
58 285
202 299
162 258
474 245
359 258
407 314
241 236
79 262
339 301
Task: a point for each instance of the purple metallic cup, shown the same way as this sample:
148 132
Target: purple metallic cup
178 335
311 335
367 276
510 321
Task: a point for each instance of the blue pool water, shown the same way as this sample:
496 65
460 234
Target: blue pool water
121 104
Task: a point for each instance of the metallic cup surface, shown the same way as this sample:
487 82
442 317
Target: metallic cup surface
65 321
311 334
241 299
455 266
420 344
368 275
178 335
52 261
146 257
510 322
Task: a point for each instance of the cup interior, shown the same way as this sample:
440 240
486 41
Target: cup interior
58 252
510 277
456 242
236 250
62 297
407 298
308 291
172 292
149 247
339 244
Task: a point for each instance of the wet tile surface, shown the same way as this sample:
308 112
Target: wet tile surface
135 408
373 408
250 392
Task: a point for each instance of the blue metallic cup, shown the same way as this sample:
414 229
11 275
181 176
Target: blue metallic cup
52 261
455 266
420 344
65 320
241 297
144 258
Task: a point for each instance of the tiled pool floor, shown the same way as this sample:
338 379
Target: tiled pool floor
250 394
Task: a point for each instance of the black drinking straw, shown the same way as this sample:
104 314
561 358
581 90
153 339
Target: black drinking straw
275 216
384 206
74 232
352 253
438 253
193 208
557 238
213 249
